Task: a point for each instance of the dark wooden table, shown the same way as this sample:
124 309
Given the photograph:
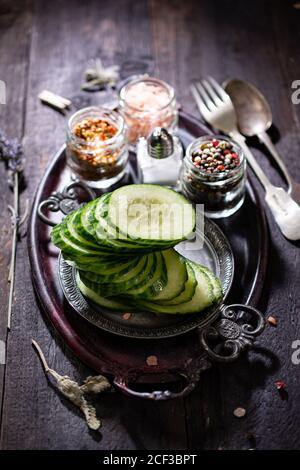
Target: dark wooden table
46 45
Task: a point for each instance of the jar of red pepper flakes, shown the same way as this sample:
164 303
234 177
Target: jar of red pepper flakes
97 151
214 174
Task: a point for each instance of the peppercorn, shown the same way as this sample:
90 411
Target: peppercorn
215 156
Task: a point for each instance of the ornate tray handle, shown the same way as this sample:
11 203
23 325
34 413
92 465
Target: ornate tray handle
232 333
64 201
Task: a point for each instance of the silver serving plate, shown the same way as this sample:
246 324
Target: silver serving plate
216 254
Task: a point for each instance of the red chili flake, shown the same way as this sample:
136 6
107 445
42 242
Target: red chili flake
152 361
280 385
272 321
215 142
234 155
221 167
126 316
226 152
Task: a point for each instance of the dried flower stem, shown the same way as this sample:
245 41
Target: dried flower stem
16 224
74 392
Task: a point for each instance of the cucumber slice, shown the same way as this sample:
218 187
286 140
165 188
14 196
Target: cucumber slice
151 213
110 236
155 283
202 298
85 228
101 214
60 239
100 300
177 276
70 231
80 233
102 267
188 291
129 281
216 283
124 275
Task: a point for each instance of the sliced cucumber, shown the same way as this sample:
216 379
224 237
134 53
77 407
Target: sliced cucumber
202 298
101 214
70 232
60 239
176 273
100 300
126 274
108 235
85 228
101 266
188 291
128 280
216 283
151 213
154 283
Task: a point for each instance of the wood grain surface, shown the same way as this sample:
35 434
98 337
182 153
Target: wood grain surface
46 45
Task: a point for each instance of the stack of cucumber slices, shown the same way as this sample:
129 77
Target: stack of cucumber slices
122 246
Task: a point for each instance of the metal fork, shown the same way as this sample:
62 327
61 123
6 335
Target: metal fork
216 107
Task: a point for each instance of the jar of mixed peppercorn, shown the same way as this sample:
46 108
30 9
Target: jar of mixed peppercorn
213 174
97 151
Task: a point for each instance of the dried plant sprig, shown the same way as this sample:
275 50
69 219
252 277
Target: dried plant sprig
97 76
74 392
11 154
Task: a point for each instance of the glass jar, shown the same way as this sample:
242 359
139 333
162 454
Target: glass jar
221 190
146 103
97 151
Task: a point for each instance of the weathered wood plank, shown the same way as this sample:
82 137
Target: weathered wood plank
15 23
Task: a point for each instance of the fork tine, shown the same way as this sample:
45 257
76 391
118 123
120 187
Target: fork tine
199 102
221 92
205 97
211 92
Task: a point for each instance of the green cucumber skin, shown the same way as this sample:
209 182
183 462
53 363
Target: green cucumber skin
104 290
188 291
174 265
112 289
156 283
73 250
76 239
217 286
123 275
110 304
123 286
85 229
193 306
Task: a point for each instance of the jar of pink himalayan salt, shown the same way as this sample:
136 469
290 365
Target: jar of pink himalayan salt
146 103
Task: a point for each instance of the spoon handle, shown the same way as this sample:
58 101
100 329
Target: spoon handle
284 209
240 139
266 140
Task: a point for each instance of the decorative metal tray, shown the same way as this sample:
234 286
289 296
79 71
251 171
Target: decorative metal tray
221 334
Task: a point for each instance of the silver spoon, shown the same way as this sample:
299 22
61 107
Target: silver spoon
254 119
